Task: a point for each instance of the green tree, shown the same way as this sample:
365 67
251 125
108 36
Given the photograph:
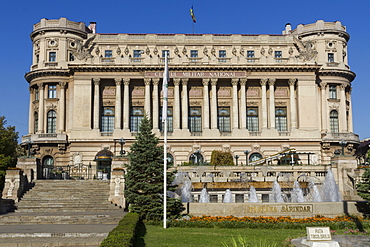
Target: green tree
363 187
144 177
8 148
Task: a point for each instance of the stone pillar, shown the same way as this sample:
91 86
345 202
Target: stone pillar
118 111
155 104
264 103
272 102
214 104
185 105
205 104
147 96
176 106
31 115
235 109
41 108
350 122
126 104
13 187
343 109
324 113
293 107
62 106
96 102
243 104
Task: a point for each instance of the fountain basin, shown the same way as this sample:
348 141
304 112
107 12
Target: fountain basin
244 185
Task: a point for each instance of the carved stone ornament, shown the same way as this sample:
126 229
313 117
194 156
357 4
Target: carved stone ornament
83 50
326 146
290 51
176 51
118 51
241 51
205 51
51 107
306 49
270 51
184 51
37 45
155 51
234 51
97 51
52 42
127 51
262 51
213 51
147 51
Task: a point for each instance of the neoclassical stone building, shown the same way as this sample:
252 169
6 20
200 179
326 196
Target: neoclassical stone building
253 95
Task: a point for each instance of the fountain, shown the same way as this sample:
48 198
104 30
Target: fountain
297 193
316 195
228 197
252 195
330 189
276 193
186 191
204 197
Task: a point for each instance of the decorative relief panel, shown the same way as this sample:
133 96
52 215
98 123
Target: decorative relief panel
195 103
280 103
253 92
224 92
109 91
108 102
170 92
224 103
196 92
138 91
137 103
281 92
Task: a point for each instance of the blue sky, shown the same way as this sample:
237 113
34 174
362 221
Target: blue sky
165 16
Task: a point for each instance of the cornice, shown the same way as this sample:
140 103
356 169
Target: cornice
46 72
349 75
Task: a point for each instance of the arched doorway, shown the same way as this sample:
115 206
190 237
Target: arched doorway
47 166
103 164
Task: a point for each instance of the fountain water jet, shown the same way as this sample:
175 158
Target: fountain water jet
330 189
297 193
204 197
276 193
228 197
186 191
316 195
252 195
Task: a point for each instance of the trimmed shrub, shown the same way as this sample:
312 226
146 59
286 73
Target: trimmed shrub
124 234
220 158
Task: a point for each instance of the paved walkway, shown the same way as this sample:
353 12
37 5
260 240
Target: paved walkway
343 240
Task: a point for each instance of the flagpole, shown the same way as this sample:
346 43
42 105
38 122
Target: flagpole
164 123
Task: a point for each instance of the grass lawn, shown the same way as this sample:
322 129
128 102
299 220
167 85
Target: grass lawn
153 236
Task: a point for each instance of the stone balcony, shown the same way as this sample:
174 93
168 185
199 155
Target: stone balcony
335 137
46 137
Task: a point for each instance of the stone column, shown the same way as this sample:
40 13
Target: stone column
343 109
324 112
264 103
96 102
293 107
185 107
147 96
176 107
214 104
350 123
235 111
118 111
31 115
205 104
155 103
272 102
41 108
243 104
62 106
126 104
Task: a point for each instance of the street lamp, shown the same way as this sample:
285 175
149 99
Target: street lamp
236 158
343 143
246 152
122 142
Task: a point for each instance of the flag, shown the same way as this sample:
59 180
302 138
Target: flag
165 88
192 14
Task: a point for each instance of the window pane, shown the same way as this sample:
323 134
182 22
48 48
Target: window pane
164 53
107 121
278 54
169 119
250 53
195 119
52 91
330 57
193 53
137 114
108 53
334 125
222 53
223 119
281 119
332 92
51 122
252 119
52 56
137 53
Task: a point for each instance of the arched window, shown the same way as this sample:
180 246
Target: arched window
107 119
223 119
35 122
196 158
195 119
254 157
334 126
52 122
281 119
48 162
137 114
252 119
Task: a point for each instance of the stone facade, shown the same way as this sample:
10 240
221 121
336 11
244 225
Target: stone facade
239 92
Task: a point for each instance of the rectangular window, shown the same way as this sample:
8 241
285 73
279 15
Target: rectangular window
195 119
250 56
222 53
223 119
52 56
137 114
36 94
281 119
137 53
330 57
164 53
252 119
108 53
169 119
107 120
52 91
71 57
194 53
332 92
278 54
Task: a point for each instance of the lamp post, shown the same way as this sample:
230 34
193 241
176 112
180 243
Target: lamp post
246 152
236 159
343 143
122 142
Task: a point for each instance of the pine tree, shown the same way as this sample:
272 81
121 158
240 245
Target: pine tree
144 177
363 187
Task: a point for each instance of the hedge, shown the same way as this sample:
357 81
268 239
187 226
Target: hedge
124 234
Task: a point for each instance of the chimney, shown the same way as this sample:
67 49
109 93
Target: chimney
92 27
288 29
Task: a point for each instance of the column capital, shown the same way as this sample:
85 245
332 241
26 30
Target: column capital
243 81
40 85
147 81
62 84
96 81
263 81
292 81
118 81
214 81
234 81
272 81
126 81
176 82
155 81
343 85
323 85
185 81
205 81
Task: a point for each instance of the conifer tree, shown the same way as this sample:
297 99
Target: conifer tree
363 187
144 177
